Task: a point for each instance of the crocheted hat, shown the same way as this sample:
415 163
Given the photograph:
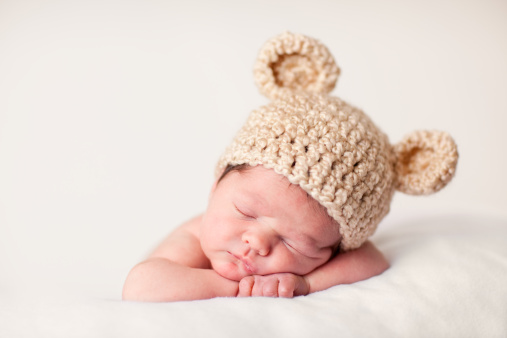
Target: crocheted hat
331 149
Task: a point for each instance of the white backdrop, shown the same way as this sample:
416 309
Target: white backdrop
113 113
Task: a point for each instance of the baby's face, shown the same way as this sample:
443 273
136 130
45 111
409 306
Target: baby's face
257 223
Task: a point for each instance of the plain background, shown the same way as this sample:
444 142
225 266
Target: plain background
113 114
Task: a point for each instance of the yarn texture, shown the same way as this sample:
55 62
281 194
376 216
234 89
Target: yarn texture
331 149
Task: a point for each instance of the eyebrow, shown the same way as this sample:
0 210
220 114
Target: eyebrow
254 198
317 207
329 233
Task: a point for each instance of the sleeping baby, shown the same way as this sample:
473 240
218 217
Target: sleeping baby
303 185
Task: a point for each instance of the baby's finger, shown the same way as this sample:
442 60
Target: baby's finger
270 288
245 286
286 287
257 288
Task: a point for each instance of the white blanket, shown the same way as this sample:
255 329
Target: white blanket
448 278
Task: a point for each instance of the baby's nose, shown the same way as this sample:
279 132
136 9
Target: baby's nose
259 242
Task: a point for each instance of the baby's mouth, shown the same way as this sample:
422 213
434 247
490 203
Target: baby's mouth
247 263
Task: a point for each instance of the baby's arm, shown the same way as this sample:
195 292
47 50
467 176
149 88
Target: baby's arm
177 270
345 268
348 267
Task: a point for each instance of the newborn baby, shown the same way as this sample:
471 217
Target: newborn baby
297 194
259 230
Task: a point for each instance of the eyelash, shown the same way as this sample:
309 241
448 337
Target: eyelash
242 213
287 244
290 246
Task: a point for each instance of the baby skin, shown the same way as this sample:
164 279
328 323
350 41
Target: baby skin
260 236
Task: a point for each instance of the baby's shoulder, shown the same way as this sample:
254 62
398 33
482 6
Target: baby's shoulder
183 245
192 227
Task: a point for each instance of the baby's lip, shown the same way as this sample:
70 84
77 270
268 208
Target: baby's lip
247 262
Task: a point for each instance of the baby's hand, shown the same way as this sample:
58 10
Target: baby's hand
276 285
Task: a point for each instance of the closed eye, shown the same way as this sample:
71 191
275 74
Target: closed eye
293 248
287 244
242 212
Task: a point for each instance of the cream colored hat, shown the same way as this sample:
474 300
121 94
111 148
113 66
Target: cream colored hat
331 149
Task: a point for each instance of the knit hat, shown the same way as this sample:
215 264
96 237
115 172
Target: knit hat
331 149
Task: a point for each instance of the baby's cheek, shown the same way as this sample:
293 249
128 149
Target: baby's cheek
284 261
296 264
219 230
228 270
211 237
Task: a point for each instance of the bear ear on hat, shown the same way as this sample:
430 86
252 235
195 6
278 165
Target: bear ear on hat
425 162
291 63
